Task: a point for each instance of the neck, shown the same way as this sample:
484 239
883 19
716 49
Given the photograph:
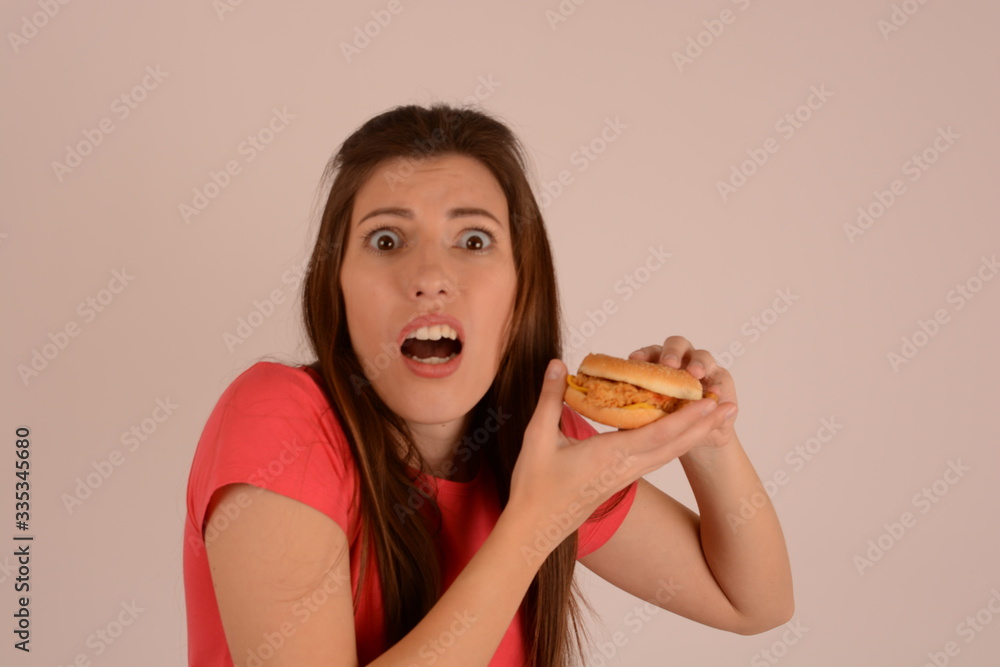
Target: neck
438 444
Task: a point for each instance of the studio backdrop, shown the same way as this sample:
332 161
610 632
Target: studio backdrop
805 189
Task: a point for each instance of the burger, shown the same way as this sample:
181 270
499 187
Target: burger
628 394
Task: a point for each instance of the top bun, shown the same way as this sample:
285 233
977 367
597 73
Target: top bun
647 375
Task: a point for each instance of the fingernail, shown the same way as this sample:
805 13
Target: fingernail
731 414
671 359
711 405
554 370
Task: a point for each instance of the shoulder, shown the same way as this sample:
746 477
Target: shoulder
273 393
267 382
271 403
274 428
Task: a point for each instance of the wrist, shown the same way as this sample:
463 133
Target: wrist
527 535
712 457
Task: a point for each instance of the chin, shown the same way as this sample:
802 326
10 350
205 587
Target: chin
440 408
440 401
427 418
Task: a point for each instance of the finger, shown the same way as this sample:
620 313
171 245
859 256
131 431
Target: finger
648 353
675 350
718 379
712 376
701 364
550 400
697 418
669 428
718 420
672 436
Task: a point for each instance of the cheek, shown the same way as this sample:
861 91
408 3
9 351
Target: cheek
499 306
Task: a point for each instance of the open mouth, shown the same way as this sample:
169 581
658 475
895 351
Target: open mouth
436 344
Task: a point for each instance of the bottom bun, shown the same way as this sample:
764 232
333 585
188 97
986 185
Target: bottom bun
616 417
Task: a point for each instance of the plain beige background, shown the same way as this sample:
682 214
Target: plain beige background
671 101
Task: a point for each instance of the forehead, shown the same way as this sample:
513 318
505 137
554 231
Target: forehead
446 180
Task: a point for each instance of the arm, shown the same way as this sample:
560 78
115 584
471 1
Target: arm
698 567
485 597
269 565
720 569
280 551
748 556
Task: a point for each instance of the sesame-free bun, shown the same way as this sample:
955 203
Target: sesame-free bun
654 377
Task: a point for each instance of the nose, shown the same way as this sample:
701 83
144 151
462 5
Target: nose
430 278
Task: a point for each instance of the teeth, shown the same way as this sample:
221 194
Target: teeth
435 360
436 332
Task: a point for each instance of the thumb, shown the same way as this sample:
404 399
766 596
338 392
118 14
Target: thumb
550 401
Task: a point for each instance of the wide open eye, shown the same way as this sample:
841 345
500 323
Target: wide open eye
476 239
382 240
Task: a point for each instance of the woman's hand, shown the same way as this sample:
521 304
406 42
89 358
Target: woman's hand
677 352
558 482
746 557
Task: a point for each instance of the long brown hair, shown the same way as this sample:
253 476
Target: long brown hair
405 550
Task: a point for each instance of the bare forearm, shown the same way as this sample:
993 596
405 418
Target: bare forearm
466 625
740 534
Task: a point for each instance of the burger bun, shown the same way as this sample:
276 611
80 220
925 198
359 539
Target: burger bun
644 374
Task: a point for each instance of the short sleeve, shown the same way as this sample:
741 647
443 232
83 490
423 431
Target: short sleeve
594 532
273 428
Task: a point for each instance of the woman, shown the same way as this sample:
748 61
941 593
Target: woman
420 494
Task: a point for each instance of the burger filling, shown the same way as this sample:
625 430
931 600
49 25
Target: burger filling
613 394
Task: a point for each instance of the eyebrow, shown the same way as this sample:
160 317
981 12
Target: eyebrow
461 212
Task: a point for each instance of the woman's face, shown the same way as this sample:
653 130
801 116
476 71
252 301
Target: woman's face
429 247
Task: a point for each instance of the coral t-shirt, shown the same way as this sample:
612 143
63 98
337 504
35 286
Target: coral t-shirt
273 428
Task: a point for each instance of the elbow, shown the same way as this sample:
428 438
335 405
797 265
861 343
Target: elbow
765 621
